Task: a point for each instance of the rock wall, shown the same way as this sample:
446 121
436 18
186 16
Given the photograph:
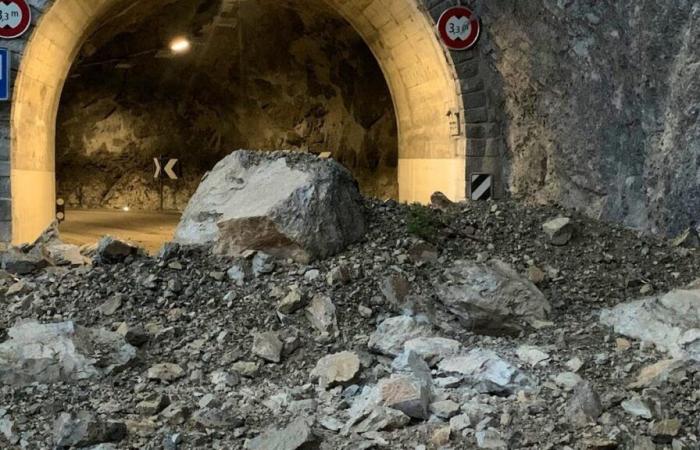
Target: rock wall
282 75
599 104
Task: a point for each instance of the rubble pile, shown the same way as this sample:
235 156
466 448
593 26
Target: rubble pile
490 325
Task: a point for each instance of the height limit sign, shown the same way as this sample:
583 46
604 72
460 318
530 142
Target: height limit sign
15 18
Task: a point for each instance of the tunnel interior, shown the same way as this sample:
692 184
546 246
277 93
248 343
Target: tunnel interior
261 74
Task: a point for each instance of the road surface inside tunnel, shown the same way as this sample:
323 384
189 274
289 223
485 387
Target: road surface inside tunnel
149 229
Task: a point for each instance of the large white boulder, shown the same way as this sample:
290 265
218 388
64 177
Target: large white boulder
670 321
286 204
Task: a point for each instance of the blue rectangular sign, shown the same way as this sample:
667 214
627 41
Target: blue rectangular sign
4 74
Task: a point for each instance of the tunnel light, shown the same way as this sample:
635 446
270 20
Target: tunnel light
180 45
126 209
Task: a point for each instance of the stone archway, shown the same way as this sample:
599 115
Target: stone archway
422 79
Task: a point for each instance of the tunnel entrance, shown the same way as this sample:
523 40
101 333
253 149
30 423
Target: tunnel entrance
366 81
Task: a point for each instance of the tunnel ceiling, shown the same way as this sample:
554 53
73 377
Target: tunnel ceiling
262 74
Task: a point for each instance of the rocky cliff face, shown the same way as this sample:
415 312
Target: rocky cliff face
599 104
272 75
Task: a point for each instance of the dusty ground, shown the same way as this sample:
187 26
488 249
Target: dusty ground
149 229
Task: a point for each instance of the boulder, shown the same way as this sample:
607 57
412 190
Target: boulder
111 250
296 435
85 429
486 372
584 406
491 298
48 353
286 204
670 321
392 333
268 346
409 389
336 369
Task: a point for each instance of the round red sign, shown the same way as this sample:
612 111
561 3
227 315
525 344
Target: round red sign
15 18
459 28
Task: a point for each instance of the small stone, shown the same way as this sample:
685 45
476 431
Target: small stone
263 264
165 372
246 369
268 346
321 314
584 405
663 431
339 368
637 407
365 311
559 231
111 306
441 436
574 364
395 289
445 409
293 302
153 404
110 250
392 333
622 344
536 275
223 379
433 349
295 436
532 355
312 275
339 275
459 423
490 438
568 380
407 394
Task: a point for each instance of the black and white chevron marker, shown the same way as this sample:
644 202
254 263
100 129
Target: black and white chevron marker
482 186
167 166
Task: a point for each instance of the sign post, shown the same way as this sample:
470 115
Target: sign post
166 167
15 18
459 28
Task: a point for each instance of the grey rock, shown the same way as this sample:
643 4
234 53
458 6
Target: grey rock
491 298
295 436
18 262
391 335
395 289
532 355
584 406
637 407
559 231
84 429
321 314
153 404
111 306
214 418
382 419
303 208
165 372
409 389
663 431
670 321
111 250
445 409
292 302
48 353
339 368
263 264
8 429
433 349
487 372
490 438
268 346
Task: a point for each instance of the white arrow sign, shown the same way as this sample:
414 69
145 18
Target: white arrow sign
169 168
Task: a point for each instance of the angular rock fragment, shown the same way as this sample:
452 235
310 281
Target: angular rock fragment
491 298
321 314
336 369
287 205
559 231
48 353
487 372
433 349
165 372
84 429
392 333
111 250
670 321
295 436
268 346
584 405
